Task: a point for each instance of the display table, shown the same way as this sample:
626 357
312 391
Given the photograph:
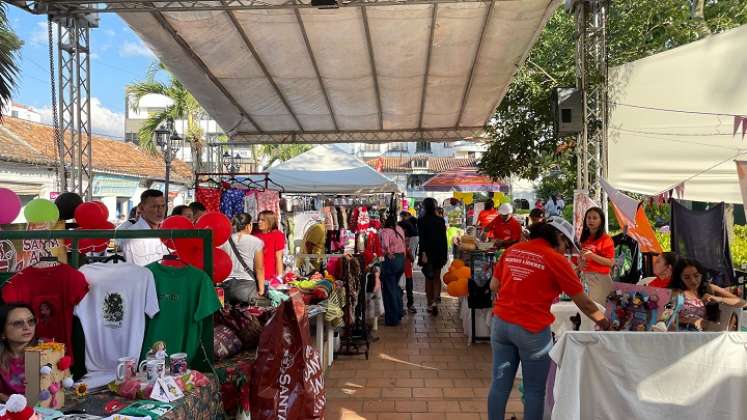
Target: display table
563 311
648 375
203 403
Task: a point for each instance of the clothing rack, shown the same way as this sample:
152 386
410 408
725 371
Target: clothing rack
263 184
355 337
75 236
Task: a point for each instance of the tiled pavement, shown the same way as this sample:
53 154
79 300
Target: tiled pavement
421 369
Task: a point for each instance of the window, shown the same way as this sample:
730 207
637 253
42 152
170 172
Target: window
397 147
420 163
131 138
471 155
423 147
14 114
447 145
372 147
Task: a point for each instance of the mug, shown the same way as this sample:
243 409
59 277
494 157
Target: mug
126 368
178 363
154 369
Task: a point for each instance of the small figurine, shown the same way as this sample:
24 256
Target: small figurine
158 351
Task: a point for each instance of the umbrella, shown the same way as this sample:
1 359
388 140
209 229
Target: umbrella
463 179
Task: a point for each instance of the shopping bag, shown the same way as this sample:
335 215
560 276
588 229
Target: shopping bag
287 381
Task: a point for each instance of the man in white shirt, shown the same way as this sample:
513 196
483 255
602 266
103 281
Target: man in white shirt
147 250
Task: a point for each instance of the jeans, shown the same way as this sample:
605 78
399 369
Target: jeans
513 344
391 271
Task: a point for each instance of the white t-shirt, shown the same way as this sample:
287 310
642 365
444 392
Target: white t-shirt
248 245
141 251
113 316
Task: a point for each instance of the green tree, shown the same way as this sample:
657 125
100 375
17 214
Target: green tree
272 153
9 46
522 141
184 107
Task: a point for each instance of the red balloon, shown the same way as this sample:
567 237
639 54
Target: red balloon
103 208
178 223
218 223
222 265
89 215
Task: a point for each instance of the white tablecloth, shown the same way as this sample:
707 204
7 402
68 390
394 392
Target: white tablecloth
630 375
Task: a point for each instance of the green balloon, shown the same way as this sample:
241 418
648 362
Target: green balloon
40 210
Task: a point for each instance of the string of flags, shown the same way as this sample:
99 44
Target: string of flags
740 121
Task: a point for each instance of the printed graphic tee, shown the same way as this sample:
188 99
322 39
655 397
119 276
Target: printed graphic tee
113 316
185 297
52 293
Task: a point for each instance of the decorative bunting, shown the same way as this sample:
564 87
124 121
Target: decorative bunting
739 120
680 189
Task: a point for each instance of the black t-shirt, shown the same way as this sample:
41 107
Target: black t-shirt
410 226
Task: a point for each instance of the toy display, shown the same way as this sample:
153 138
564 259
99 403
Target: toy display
47 373
640 308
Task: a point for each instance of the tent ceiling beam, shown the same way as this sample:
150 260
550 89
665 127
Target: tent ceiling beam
316 68
427 65
468 86
373 136
127 6
201 64
372 60
268 76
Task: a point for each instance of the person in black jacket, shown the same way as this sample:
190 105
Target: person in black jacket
432 251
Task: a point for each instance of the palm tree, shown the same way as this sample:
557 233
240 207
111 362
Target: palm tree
282 152
184 107
9 45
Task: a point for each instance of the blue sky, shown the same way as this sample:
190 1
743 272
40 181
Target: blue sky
119 58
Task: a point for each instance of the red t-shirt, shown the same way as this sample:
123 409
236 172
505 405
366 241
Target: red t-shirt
604 247
505 230
659 282
532 275
486 216
274 241
52 292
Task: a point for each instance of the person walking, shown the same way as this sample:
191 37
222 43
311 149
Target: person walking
393 247
432 252
528 278
409 225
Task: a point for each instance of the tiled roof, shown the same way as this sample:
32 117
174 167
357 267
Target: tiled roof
435 164
29 142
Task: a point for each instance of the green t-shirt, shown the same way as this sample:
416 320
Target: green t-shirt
186 297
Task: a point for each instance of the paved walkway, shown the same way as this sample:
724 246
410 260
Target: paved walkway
421 369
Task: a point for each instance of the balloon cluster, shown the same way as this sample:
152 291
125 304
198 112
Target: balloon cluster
191 250
89 215
457 279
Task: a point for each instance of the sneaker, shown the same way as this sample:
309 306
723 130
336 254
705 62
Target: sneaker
412 310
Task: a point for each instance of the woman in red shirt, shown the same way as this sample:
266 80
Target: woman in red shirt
274 242
528 278
663 266
597 256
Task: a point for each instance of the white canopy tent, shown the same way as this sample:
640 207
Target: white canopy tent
671 120
327 169
368 71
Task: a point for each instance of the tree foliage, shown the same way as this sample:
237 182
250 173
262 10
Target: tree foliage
522 142
9 46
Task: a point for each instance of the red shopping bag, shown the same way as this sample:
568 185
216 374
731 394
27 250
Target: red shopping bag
287 381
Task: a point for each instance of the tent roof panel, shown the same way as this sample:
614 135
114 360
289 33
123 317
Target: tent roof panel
295 70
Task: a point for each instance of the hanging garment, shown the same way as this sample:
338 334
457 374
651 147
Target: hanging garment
628 259
373 247
52 292
209 197
250 204
360 220
269 200
702 236
186 297
351 278
232 202
112 315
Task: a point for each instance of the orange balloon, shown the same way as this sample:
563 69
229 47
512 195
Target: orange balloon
464 272
457 263
458 288
450 277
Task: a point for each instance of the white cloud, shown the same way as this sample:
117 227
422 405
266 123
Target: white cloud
105 121
135 49
39 35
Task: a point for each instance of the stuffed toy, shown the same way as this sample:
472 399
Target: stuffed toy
17 408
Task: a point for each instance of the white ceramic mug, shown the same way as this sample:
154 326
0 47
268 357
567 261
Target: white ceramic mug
154 369
178 363
126 368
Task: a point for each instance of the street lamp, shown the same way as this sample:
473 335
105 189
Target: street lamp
232 164
169 142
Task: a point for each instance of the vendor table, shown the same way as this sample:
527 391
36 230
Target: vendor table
202 403
649 375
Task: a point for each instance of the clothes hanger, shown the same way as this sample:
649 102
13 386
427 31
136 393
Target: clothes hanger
114 258
172 260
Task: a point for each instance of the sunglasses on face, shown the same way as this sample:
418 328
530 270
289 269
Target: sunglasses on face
31 322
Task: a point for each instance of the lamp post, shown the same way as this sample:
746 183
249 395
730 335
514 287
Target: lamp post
169 142
232 164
